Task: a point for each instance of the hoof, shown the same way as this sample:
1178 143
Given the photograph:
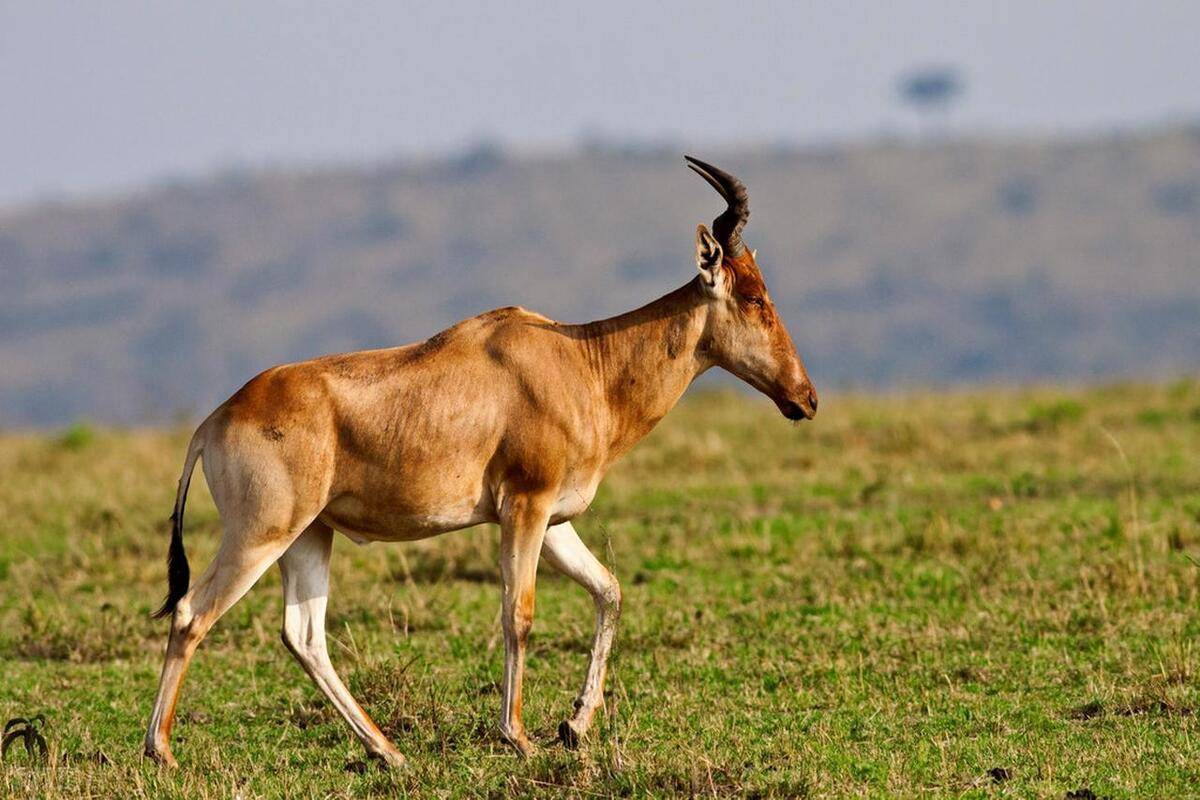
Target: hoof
162 757
389 759
520 743
568 736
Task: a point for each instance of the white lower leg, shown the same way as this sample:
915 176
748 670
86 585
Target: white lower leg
305 570
567 553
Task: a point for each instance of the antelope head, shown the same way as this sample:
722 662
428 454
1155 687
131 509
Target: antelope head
745 335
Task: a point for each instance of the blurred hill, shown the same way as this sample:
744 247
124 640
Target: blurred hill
892 263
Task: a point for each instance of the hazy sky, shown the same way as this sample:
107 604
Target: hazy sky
102 96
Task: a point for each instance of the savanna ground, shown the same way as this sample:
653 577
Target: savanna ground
986 594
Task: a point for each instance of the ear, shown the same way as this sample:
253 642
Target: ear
708 258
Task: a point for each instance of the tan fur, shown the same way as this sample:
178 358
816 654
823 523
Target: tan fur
508 417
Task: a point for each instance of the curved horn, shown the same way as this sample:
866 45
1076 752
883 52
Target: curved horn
727 228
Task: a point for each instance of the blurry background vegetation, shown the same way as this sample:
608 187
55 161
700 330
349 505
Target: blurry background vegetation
941 192
897 262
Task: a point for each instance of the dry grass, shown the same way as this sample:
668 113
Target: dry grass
968 594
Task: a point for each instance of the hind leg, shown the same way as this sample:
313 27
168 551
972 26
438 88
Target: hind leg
305 571
244 554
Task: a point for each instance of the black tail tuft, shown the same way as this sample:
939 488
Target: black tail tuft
178 572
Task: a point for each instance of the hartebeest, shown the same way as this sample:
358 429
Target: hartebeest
508 417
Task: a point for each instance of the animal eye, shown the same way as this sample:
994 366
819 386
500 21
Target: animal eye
757 302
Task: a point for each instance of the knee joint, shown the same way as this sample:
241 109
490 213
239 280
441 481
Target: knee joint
609 596
184 624
290 641
522 620
297 644
522 624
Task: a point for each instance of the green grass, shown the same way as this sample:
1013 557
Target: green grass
904 597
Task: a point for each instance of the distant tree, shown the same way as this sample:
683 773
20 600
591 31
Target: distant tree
1018 196
1177 198
477 159
931 91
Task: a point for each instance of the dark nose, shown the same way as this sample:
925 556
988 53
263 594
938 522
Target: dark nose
793 411
812 400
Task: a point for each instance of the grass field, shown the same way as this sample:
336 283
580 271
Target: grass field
982 595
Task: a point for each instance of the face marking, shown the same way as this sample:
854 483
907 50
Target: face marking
749 339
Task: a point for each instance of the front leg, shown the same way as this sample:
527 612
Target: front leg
567 553
522 527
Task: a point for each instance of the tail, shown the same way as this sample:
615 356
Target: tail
178 572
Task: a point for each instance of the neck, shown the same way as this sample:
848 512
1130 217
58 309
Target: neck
644 360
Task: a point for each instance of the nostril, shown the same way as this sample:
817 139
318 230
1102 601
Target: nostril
812 401
793 411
